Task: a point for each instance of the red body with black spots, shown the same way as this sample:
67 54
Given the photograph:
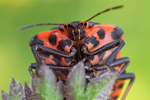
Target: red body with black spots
63 38
99 44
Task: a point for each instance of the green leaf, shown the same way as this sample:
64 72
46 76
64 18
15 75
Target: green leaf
59 93
100 87
16 91
76 83
46 84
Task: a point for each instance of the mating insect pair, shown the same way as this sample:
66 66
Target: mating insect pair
64 46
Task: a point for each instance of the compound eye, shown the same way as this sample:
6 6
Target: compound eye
90 24
61 27
65 26
85 24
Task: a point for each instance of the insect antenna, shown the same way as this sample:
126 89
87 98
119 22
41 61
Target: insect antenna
30 26
117 7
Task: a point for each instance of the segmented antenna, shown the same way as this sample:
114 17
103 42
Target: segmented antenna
26 27
117 7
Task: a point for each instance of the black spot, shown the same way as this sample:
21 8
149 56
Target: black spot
120 86
55 28
80 25
117 33
87 39
52 39
96 43
70 34
35 41
68 42
68 60
62 43
90 24
82 32
60 48
91 57
75 23
101 34
93 39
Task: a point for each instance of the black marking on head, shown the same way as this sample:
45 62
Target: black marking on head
120 86
70 26
55 28
75 23
82 32
70 34
117 33
85 24
90 24
80 25
96 43
91 57
35 41
60 48
76 32
93 39
68 60
52 39
101 34
87 39
68 42
65 26
62 43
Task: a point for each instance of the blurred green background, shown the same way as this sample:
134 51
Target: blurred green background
15 55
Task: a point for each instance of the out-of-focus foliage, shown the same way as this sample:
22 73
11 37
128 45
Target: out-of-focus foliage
15 55
46 88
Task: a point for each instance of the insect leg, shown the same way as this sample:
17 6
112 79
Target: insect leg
37 47
126 76
118 44
32 66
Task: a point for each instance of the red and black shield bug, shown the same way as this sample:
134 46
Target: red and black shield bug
64 46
